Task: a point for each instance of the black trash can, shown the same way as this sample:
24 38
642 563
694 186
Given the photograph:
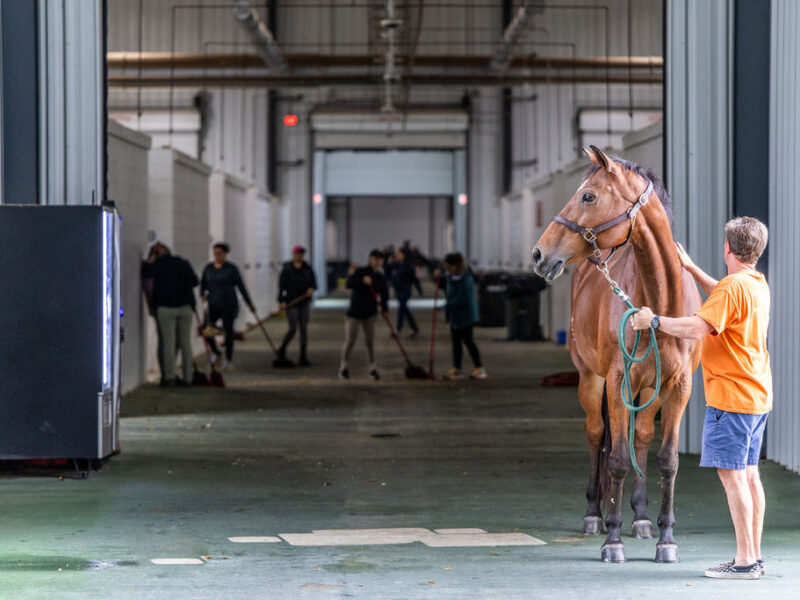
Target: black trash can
522 307
336 270
491 298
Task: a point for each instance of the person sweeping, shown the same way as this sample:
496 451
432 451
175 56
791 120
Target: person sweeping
218 287
296 287
462 314
369 292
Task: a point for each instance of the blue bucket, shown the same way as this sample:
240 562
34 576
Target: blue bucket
561 337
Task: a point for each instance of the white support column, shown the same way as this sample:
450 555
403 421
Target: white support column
460 201
319 262
72 111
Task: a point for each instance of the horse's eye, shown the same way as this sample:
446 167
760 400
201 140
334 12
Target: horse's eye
587 197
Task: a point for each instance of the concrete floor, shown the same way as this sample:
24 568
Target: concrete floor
295 451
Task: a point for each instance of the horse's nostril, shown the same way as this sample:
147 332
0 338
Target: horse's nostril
537 255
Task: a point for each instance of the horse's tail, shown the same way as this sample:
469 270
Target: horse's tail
604 475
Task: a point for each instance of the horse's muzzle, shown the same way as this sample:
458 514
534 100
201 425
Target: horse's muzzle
550 268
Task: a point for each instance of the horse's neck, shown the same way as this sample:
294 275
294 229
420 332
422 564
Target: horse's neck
659 275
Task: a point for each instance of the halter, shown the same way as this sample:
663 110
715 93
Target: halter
590 233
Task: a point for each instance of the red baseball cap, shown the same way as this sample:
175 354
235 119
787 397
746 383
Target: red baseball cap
299 249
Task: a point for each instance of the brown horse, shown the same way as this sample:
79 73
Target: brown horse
611 210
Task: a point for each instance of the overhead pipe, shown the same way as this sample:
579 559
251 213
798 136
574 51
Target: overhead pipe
317 79
250 20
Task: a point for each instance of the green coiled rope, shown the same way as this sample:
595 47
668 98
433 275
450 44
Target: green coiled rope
630 358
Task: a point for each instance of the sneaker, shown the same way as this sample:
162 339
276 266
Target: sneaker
454 375
168 382
214 358
759 562
344 373
413 334
304 362
226 365
729 570
479 374
375 375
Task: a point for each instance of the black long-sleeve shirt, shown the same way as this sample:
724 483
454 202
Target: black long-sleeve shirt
404 277
362 302
174 281
220 285
295 282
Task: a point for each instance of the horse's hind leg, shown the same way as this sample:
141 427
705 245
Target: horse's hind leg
642 527
590 394
673 403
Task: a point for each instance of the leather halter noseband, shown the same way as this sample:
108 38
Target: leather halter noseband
590 233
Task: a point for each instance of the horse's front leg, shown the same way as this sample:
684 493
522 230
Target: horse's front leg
619 463
590 395
642 527
673 403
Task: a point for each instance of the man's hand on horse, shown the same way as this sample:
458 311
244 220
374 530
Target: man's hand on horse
641 320
684 257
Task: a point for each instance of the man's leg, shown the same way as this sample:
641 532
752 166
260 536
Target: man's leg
741 505
410 316
369 334
303 312
350 335
185 320
291 315
401 313
759 506
167 324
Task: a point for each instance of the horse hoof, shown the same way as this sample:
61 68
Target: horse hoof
642 529
613 553
667 553
592 525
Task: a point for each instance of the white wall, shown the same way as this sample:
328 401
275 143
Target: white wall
128 188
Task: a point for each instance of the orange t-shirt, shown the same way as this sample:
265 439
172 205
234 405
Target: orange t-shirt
735 360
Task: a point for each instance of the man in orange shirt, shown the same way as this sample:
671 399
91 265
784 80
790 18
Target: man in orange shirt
733 324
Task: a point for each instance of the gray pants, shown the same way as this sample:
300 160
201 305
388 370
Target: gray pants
298 316
176 326
351 326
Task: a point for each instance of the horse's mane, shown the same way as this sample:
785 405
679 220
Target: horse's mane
658 184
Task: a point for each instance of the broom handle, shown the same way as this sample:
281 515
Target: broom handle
264 331
433 323
391 327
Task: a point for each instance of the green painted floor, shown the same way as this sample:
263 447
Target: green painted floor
294 451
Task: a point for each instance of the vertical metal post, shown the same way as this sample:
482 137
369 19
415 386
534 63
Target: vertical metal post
460 201
318 209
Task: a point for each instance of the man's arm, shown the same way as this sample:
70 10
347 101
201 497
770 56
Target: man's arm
703 279
692 328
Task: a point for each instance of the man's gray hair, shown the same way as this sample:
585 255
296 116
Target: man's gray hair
747 238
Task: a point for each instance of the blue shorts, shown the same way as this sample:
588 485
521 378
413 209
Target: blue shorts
731 440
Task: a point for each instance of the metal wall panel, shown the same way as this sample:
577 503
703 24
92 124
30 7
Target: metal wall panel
783 429
698 131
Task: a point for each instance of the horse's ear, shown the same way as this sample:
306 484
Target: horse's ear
591 155
604 160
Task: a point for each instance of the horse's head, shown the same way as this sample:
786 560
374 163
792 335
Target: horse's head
608 192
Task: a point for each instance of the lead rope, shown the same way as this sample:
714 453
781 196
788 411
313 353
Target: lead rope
629 359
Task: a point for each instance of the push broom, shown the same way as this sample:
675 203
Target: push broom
412 371
279 361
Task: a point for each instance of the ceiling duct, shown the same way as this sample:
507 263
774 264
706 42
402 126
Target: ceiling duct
390 25
249 18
